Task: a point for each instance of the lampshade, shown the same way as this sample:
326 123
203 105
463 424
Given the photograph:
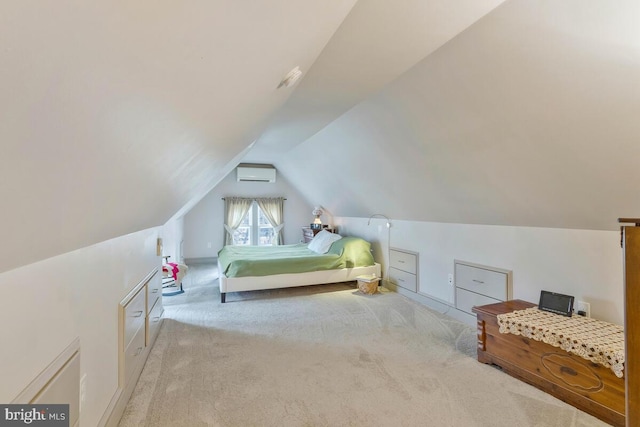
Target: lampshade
317 211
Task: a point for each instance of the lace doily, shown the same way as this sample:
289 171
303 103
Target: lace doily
594 340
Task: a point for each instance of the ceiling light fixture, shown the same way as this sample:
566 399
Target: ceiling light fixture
290 78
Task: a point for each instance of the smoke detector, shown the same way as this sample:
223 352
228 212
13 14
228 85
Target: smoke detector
291 77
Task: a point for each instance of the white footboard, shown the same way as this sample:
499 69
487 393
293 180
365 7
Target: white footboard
252 283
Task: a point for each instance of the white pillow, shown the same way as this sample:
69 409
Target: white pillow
322 241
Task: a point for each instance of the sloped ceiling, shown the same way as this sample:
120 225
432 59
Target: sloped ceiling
529 117
118 115
378 41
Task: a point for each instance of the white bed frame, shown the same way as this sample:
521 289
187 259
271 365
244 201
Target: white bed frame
276 281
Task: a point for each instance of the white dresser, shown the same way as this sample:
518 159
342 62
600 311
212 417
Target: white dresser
154 310
477 284
403 268
140 315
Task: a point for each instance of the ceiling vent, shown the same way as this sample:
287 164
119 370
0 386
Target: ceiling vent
256 173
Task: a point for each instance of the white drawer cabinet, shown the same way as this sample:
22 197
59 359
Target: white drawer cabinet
482 281
403 260
403 268
466 300
133 355
154 291
134 313
140 316
404 279
153 321
479 285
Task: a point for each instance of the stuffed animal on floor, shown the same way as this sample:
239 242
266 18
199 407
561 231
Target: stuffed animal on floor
173 273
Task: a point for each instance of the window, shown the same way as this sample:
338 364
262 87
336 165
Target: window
254 229
248 221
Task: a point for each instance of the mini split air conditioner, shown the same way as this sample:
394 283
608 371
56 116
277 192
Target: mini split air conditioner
256 174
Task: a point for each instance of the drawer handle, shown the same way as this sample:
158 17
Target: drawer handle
138 351
137 313
155 291
401 261
155 319
400 280
478 281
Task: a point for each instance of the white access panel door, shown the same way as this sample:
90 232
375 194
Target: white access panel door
477 285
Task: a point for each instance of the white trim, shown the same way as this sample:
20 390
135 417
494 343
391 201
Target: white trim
115 409
137 287
201 260
441 306
32 390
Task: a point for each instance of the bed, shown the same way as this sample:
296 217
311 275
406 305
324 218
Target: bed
249 268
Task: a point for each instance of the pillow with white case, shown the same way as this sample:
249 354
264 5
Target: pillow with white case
322 241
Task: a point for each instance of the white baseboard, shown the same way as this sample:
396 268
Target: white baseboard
434 304
202 260
114 411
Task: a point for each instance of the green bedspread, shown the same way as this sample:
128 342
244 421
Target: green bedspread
242 261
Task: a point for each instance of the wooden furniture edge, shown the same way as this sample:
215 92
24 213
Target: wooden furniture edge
582 402
630 240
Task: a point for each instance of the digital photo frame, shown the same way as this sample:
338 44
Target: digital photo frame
556 303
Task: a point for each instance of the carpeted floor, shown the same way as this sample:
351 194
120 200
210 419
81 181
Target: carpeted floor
324 356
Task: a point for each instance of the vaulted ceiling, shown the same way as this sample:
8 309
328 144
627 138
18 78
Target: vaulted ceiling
526 118
117 116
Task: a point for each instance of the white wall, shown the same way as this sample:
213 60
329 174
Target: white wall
47 304
583 263
203 225
172 239
113 124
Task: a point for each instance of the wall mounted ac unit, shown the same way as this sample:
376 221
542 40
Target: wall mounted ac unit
256 173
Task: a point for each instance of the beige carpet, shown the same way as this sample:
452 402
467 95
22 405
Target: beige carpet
324 356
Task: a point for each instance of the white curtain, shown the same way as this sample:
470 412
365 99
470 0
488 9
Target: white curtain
273 209
235 209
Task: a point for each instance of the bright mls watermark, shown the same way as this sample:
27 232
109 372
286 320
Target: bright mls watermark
34 415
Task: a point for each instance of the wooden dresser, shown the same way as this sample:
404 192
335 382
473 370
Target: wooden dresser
590 387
